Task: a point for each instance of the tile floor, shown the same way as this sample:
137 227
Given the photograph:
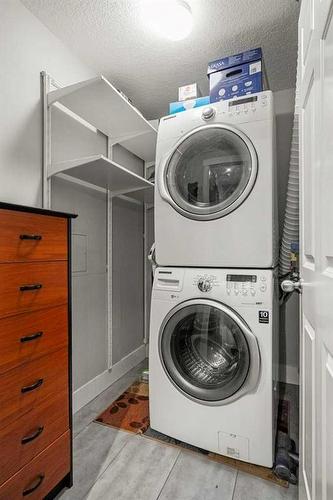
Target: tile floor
111 464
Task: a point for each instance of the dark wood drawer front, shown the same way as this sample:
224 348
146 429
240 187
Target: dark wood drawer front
31 286
29 435
28 336
41 475
28 386
27 237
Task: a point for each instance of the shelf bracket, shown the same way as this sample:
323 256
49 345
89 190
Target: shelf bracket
46 142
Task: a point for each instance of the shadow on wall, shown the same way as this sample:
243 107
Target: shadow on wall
284 124
289 316
289 340
21 154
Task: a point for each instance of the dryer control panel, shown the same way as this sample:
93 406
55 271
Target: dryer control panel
240 109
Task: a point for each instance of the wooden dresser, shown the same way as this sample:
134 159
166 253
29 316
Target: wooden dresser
35 353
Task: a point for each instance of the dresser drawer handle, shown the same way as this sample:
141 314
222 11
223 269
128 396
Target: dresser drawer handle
31 437
33 336
35 484
32 387
28 288
35 237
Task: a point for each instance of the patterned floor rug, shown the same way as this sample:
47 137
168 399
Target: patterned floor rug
129 412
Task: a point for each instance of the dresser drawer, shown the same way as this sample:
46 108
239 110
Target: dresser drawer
28 286
28 386
41 475
28 336
29 435
26 237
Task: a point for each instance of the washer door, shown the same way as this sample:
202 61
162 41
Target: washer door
208 352
210 172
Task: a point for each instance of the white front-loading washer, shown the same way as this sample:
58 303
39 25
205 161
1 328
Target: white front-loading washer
213 360
215 200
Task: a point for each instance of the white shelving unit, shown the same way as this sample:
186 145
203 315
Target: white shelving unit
99 103
102 106
102 172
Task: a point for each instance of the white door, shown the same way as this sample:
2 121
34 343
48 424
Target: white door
316 189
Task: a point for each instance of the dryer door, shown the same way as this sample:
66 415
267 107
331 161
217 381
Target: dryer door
208 352
210 172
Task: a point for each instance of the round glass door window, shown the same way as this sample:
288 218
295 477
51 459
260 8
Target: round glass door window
205 352
211 172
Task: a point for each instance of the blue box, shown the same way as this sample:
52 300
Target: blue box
179 106
236 75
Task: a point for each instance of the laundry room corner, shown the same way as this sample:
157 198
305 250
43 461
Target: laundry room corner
166 252
289 319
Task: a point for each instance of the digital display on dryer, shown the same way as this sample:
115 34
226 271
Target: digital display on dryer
236 102
252 278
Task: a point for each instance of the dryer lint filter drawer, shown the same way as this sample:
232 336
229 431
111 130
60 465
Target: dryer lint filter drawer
233 446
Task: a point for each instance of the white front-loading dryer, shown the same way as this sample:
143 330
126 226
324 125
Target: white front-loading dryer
215 201
213 360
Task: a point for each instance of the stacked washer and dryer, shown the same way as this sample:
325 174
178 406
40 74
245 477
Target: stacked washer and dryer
214 314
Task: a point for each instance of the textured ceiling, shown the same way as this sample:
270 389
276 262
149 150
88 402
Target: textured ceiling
111 37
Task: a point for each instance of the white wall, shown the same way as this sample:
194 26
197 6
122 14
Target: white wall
289 318
127 278
26 49
89 277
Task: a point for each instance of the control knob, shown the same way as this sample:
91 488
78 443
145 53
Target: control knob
208 113
204 285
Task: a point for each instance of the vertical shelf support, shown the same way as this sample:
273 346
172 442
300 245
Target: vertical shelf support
109 276
145 270
109 242
46 143
146 265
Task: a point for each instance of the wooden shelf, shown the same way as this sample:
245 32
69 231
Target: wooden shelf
102 172
99 103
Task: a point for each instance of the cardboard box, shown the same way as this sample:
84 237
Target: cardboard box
179 106
190 91
235 76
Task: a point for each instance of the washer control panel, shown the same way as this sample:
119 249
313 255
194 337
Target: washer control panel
245 284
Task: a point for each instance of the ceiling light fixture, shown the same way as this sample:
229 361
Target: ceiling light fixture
171 19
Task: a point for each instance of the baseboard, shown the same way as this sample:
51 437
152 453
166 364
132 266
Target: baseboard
89 391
